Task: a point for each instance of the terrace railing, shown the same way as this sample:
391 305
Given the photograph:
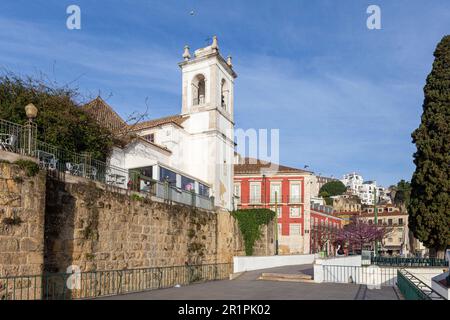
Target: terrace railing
413 288
359 275
18 138
408 262
94 284
59 163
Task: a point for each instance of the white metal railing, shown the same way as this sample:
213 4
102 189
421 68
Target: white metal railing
58 162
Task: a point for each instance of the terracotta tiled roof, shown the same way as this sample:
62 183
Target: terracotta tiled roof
175 119
104 114
384 214
256 166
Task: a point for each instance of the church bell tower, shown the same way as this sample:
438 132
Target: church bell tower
208 105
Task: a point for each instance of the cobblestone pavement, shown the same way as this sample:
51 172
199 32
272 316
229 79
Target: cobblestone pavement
248 287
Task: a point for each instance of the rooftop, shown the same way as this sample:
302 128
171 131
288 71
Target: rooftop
174 119
256 166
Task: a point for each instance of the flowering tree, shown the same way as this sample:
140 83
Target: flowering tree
321 236
358 233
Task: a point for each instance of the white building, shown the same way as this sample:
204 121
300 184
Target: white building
193 149
365 190
353 182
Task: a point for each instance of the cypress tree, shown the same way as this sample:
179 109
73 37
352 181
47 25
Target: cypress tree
429 207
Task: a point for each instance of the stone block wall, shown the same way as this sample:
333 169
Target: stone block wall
49 225
22 205
97 229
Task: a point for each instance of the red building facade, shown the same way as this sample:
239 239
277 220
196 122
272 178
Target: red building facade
324 225
285 190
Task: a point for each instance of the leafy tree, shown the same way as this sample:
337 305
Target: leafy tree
60 121
429 208
332 188
359 233
402 193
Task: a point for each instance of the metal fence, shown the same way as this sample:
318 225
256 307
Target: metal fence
359 275
413 288
88 285
58 163
17 138
408 262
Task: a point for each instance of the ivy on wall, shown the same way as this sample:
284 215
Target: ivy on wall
250 222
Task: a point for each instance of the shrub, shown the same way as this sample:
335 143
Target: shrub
31 168
250 222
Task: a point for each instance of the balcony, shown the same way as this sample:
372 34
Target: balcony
295 199
255 200
198 101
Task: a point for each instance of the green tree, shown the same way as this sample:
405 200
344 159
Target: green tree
60 121
429 208
332 188
402 193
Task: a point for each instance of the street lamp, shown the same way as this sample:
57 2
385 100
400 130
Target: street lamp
375 219
276 224
31 111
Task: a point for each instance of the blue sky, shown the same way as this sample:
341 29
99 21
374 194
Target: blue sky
345 98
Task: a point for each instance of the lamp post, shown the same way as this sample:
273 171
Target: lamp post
276 223
31 112
376 218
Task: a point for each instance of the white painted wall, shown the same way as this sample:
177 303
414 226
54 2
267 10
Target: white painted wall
355 274
337 261
425 274
341 261
445 292
241 264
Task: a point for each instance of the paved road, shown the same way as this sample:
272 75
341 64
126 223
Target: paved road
248 287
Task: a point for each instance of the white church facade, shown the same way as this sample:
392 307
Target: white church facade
193 150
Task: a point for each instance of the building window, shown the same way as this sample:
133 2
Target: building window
275 192
187 183
400 221
203 190
380 221
380 209
390 222
150 137
168 175
390 209
255 192
370 221
224 92
237 192
295 192
294 212
198 90
295 229
278 211
389 239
